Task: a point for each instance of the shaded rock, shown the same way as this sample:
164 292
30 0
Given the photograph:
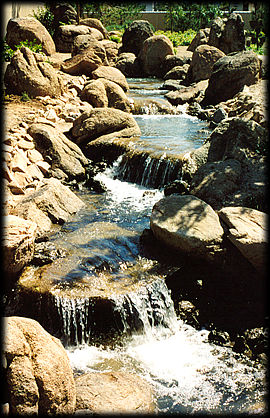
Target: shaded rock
171 61
95 23
135 35
153 53
228 34
215 182
18 237
129 65
65 35
112 49
111 74
63 12
52 203
39 376
186 224
62 152
236 138
26 74
29 29
113 392
87 61
103 123
230 74
187 94
177 186
177 73
201 38
248 232
219 115
202 63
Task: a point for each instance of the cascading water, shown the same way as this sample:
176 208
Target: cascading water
128 292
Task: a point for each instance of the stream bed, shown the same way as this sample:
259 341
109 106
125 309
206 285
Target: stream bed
103 247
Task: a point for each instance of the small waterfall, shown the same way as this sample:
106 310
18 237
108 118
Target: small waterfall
146 170
85 320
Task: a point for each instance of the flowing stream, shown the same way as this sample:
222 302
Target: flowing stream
104 252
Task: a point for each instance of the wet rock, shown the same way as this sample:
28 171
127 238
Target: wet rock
187 94
247 231
219 115
153 53
29 29
113 392
63 153
111 74
188 313
45 253
52 203
230 74
106 123
203 60
186 224
220 338
18 242
177 186
39 376
134 36
26 74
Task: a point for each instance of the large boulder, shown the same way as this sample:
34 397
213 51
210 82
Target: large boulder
26 73
62 153
95 23
129 65
88 60
230 74
203 60
29 29
113 392
112 74
248 232
66 34
105 93
187 224
39 376
103 123
228 34
135 35
153 53
53 203
18 243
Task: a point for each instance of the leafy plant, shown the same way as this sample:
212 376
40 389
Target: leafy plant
25 97
9 52
178 38
45 16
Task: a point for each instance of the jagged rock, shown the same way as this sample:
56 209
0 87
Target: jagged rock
228 34
52 203
39 376
230 74
25 74
153 53
248 232
186 224
135 35
62 152
18 242
113 392
203 59
87 61
29 29
103 123
187 94
201 38
112 74
66 34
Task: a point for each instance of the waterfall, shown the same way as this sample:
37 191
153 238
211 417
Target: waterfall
143 311
146 170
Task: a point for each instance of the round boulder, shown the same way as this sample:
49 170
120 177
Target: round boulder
39 376
135 35
153 53
203 59
186 224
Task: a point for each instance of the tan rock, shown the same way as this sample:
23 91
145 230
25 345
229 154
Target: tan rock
18 242
112 74
248 232
113 392
153 52
187 224
39 375
87 61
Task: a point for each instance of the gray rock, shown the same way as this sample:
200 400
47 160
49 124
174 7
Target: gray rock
134 36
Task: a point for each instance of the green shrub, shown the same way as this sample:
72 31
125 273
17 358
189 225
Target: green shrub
178 38
45 16
8 52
